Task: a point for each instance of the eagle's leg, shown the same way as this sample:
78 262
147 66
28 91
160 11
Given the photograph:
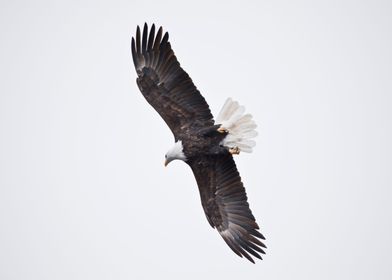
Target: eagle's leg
221 129
210 131
234 151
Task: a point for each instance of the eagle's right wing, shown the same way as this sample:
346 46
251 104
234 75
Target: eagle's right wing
165 85
224 201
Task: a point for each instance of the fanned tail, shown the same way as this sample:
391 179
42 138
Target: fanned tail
240 126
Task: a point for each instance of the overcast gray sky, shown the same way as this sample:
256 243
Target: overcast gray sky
83 190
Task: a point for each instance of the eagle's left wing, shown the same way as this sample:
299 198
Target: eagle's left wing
224 201
165 85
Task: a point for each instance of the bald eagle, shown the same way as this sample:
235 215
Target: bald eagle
207 146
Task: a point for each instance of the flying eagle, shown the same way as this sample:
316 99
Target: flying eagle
207 146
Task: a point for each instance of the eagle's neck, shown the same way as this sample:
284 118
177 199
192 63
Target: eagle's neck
176 152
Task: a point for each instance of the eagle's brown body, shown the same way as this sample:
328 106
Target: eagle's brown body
169 89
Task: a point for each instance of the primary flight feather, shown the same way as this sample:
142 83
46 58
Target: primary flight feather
207 146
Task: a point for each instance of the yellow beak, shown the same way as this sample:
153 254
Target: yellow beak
167 161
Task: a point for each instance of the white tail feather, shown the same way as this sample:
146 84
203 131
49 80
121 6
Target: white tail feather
240 126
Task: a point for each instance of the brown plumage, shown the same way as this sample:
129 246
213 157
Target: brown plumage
165 85
169 89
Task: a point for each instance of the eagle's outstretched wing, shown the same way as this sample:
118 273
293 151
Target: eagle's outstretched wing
165 85
224 201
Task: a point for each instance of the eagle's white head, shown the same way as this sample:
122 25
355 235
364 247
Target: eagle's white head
175 152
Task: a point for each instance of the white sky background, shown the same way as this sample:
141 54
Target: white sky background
83 190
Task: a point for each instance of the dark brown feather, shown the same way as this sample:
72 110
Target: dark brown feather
165 85
224 201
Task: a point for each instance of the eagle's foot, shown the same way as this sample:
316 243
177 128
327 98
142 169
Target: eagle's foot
234 151
221 129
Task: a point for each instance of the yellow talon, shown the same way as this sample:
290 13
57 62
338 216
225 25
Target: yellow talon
234 151
222 130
